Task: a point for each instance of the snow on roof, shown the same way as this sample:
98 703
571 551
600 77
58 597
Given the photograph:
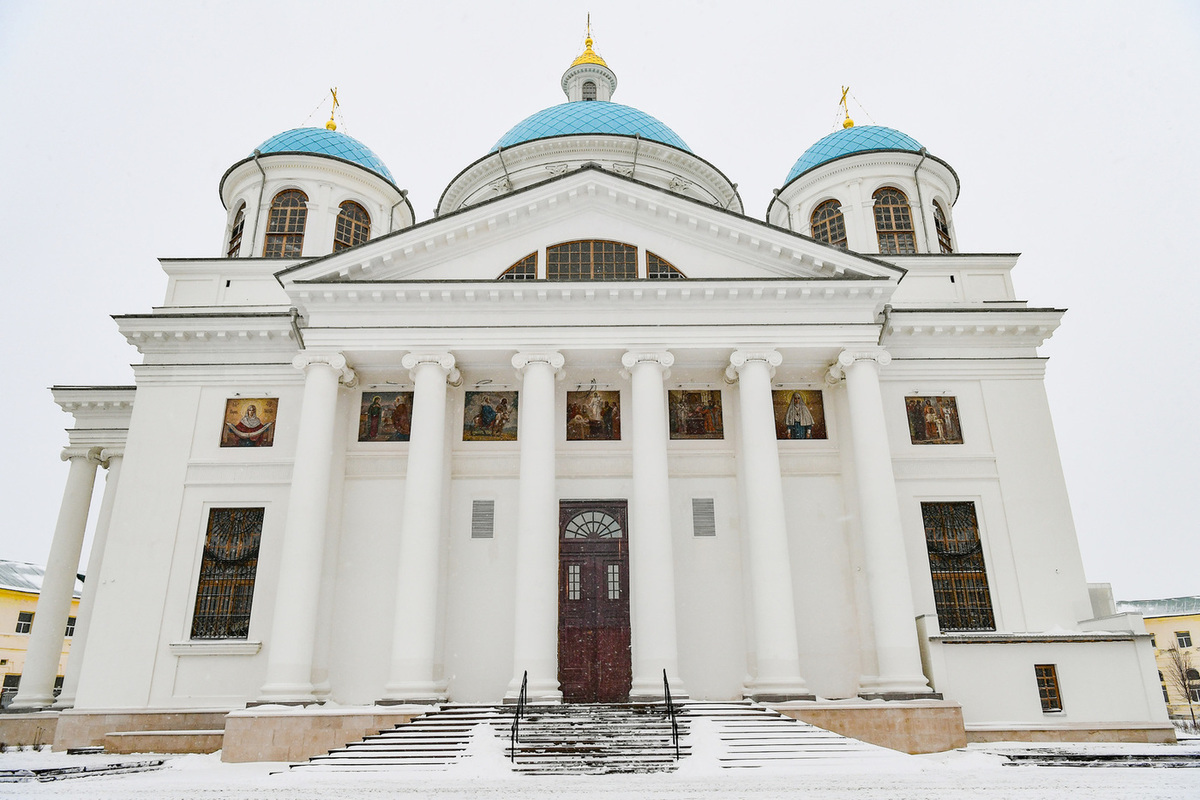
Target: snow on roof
20 576
1167 607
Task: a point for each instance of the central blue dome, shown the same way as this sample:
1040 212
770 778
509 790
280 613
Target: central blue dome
858 139
324 142
589 116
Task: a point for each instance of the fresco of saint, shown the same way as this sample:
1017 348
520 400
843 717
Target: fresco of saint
249 422
799 414
593 416
933 420
490 417
385 417
695 414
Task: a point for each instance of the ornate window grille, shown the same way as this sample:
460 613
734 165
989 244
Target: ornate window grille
285 225
828 225
523 270
353 226
893 222
226 588
235 233
591 260
960 586
659 269
943 227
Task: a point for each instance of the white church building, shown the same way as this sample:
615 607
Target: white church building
592 425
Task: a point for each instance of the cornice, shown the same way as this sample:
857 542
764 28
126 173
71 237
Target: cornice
173 333
1023 327
96 408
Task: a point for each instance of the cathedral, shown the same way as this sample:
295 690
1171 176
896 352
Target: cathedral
589 432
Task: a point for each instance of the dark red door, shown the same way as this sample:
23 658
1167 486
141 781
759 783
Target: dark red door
593 602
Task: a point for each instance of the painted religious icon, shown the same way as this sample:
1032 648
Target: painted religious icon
249 422
695 414
799 414
385 417
933 420
490 417
593 416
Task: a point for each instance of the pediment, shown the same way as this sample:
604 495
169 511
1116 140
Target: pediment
480 242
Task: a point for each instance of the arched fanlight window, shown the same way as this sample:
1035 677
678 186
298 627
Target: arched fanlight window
593 260
828 224
523 270
589 90
285 225
893 222
659 269
353 226
235 233
943 228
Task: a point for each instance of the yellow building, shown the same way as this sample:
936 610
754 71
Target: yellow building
20 584
1173 623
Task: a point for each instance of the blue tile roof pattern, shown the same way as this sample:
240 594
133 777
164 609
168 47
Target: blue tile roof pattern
589 116
859 139
325 142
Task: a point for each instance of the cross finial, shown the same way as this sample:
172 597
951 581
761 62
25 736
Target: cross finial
849 123
331 125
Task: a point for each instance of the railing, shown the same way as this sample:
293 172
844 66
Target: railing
522 698
671 714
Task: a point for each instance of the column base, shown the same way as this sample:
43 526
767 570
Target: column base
426 693
286 694
926 695
872 686
37 703
777 690
537 690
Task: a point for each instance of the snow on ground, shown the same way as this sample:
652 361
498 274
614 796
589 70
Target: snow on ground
974 772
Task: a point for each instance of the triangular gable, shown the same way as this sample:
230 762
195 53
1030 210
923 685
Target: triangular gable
482 241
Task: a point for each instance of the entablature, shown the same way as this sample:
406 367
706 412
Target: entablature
240 337
947 332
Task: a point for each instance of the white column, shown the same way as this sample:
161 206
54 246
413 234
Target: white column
535 640
58 584
651 556
890 592
778 654
414 636
111 458
293 629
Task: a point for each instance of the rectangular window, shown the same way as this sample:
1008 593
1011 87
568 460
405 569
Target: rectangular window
9 691
24 621
960 586
1153 642
1047 681
483 519
704 518
226 587
573 582
614 581
70 627
1184 638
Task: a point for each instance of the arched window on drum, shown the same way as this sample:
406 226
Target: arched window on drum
353 226
828 225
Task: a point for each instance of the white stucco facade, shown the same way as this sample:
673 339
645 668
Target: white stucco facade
369 584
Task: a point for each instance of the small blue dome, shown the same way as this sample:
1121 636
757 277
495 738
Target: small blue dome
325 142
589 116
859 139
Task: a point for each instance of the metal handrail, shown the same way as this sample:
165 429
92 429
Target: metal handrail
522 699
671 714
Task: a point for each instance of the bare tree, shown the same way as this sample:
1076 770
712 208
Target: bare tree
1182 675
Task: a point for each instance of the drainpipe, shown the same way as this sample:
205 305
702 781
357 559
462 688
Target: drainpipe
296 326
920 202
392 210
507 178
887 314
786 207
637 145
258 209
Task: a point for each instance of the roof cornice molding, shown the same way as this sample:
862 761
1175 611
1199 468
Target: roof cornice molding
246 336
971 327
774 249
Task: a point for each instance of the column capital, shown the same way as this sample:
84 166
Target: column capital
551 358
847 357
93 454
444 361
109 453
663 358
335 361
740 358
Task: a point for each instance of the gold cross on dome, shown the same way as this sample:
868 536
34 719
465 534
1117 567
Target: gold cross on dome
331 125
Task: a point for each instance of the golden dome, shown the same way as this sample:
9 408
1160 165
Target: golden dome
588 56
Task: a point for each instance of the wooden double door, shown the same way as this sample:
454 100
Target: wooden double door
594 664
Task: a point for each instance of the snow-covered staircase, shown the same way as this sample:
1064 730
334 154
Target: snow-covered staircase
597 739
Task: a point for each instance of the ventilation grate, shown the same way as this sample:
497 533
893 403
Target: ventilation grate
704 518
483 519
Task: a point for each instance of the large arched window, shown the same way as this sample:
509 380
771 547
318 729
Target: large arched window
943 227
589 90
235 233
285 225
893 222
592 260
828 224
353 226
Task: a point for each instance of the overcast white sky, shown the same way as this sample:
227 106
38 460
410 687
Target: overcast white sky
1072 126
